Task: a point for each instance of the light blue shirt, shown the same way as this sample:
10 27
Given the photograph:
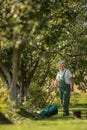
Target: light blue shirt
67 75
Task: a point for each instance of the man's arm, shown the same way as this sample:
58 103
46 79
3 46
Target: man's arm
55 83
71 84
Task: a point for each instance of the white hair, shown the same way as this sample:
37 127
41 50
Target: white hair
61 62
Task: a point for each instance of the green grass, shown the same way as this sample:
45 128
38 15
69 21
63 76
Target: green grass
57 122
62 124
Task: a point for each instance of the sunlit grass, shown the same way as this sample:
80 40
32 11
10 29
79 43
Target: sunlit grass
57 122
48 124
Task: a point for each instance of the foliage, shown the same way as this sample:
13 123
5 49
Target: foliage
37 98
4 99
35 34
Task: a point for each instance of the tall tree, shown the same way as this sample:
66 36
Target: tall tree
34 34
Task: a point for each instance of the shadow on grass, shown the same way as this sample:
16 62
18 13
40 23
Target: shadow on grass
33 116
61 118
36 116
4 119
24 113
84 106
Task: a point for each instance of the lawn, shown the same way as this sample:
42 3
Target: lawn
57 122
52 124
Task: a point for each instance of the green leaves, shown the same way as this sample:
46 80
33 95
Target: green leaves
43 31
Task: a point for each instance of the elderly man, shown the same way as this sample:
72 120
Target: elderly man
64 80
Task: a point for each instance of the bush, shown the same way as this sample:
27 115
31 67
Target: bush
4 98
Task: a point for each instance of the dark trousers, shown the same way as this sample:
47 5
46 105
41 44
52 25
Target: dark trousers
65 98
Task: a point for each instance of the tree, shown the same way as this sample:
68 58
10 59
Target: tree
34 35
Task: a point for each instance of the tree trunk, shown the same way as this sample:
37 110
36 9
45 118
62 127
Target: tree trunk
14 89
23 91
26 80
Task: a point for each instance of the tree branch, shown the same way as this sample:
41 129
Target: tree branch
4 80
5 75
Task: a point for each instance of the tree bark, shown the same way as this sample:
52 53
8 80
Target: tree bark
5 75
26 80
14 90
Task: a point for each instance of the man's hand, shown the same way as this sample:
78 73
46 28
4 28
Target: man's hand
55 83
72 89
